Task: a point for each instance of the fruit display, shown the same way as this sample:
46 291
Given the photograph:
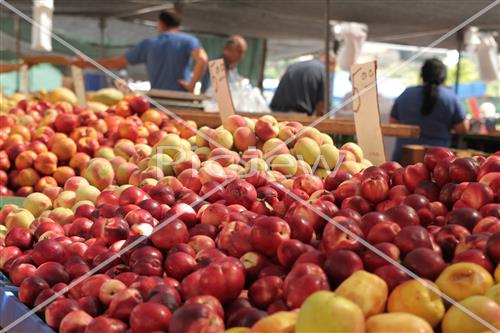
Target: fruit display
255 226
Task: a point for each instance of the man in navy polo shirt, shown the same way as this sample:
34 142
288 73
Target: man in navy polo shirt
168 57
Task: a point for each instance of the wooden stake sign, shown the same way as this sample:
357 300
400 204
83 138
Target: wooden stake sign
79 85
24 79
221 87
366 112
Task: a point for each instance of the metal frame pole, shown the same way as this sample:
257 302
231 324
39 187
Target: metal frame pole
327 92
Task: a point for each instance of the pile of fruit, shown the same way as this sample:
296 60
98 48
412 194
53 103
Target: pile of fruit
136 222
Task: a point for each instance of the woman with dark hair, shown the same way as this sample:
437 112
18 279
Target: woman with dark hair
432 107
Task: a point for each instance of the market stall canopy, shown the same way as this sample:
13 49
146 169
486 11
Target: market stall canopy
395 21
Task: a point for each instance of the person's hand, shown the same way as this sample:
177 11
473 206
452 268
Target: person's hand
188 86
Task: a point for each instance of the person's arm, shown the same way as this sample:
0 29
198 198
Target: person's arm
459 122
200 59
117 62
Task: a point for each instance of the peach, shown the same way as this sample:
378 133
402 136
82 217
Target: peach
64 149
65 199
46 163
62 174
233 122
45 182
313 133
153 116
221 138
278 322
73 183
322 173
183 160
105 152
415 298
25 160
203 153
187 129
86 192
497 273
124 172
202 136
355 149
307 149
61 215
326 139
367 290
464 279
329 156
52 192
170 145
36 203
27 177
397 322
457 321
54 138
164 162
350 167
284 163
80 203
38 147
24 191
99 172
303 168
274 147
494 293
266 127
256 164
124 148
325 311
79 161
19 217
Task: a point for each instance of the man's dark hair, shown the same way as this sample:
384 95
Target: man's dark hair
170 17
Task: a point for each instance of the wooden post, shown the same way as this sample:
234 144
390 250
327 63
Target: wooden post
218 80
79 85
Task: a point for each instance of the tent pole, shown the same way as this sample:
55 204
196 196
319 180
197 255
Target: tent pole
102 28
263 64
17 31
460 42
327 92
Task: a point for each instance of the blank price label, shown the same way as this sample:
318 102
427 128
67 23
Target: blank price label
24 79
222 93
366 112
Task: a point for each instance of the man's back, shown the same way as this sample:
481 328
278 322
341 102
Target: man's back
167 58
300 88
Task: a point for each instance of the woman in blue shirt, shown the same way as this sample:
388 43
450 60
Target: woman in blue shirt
432 107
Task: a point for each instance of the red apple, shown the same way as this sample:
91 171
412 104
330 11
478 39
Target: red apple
392 275
52 273
173 232
105 324
150 317
48 250
403 215
20 272
75 321
268 233
493 247
265 291
303 280
57 310
341 264
374 188
467 217
412 237
369 220
123 302
475 256
194 318
435 154
476 195
372 260
425 262
414 174
463 169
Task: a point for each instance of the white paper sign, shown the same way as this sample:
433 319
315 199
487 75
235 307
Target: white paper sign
366 112
222 93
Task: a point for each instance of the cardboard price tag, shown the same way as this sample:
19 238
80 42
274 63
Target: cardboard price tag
366 112
222 93
79 85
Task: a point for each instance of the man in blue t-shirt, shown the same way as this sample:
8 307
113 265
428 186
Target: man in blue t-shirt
168 57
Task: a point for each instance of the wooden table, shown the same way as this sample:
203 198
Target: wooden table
330 126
